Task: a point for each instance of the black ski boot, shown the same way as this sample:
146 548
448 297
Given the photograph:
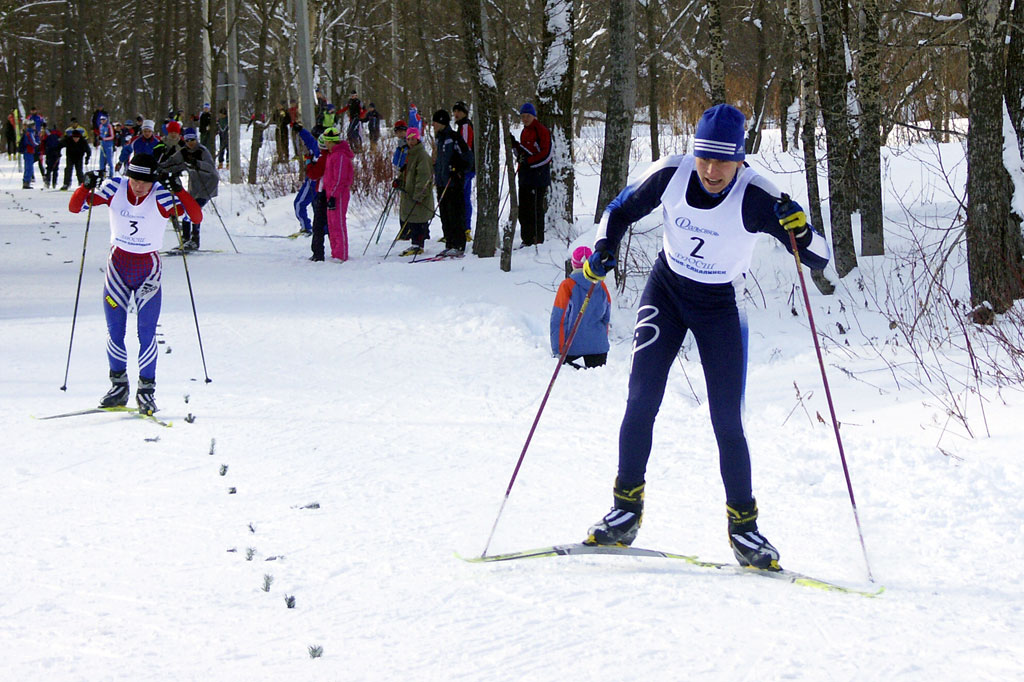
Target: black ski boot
750 547
620 525
144 396
118 394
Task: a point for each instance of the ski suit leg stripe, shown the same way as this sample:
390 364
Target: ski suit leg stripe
115 286
115 310
149 297
301 204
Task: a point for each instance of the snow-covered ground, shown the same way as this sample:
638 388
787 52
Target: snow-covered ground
397 397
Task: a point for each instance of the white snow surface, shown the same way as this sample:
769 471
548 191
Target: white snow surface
398 397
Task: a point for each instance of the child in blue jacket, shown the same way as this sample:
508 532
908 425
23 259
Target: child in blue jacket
591 340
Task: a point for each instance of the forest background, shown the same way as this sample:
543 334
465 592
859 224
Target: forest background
840 78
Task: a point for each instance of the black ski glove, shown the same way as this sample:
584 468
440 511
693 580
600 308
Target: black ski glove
92 179
173 184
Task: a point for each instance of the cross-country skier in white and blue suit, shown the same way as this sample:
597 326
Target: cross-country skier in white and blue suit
715 209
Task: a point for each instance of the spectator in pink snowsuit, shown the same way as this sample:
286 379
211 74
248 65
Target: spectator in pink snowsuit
338 176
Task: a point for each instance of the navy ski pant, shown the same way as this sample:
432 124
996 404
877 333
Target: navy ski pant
672 305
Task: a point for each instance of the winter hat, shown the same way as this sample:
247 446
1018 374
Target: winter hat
330 107
330 135
720 134
206 105
528 108
75 132
174 127
441 116
460 106
188 134
400 125
412 134
129 123
103 117
580 254
142 167
147 124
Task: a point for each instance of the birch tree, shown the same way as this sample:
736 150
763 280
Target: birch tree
555 97
618 129
833 96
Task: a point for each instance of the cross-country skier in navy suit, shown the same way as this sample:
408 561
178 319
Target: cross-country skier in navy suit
715 209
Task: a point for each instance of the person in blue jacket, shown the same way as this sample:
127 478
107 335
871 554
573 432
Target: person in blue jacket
307 191
715 209
591 340
28 147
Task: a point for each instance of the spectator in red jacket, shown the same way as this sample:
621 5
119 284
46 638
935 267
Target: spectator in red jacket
534 152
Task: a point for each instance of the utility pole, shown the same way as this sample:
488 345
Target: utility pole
307 107
234 122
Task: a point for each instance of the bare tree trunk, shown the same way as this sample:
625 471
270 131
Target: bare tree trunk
715 52
487 132
993 234
763 83
832 80
71 96
787 84
554 94
1015 72
809 109
193 60
395 100
618 127
869 87
653 72
266 10
808 124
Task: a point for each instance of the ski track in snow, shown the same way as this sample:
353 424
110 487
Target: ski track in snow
398 399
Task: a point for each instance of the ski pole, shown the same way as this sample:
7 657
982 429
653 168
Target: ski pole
828 394
536 420
384 214
223 225
391 200
378 227
188 279
78 291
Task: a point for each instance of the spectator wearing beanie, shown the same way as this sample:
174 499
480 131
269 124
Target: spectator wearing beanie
715 209
591 339
417 201
533 149
449 170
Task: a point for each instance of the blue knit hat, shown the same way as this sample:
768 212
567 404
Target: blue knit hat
720 134
528 108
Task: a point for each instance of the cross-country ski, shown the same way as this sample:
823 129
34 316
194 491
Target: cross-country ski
726 299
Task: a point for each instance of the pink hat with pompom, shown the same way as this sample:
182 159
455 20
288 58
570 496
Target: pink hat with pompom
580 254
412 134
